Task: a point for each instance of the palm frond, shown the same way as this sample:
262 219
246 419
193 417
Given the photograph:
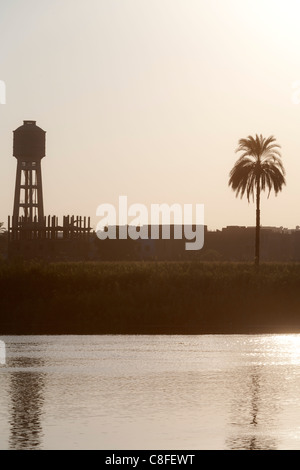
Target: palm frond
258 167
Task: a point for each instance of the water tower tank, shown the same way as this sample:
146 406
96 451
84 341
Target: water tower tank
29 142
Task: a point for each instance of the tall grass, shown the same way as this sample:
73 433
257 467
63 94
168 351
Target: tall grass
148 298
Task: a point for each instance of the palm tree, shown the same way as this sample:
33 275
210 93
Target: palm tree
258 168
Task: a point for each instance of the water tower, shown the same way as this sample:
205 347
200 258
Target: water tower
29 149
31 234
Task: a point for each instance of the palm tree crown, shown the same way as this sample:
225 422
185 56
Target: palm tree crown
258 168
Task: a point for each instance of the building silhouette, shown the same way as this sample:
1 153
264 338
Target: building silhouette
232 243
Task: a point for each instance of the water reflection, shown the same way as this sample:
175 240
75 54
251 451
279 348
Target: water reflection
252 415
26 394
254 392
131 392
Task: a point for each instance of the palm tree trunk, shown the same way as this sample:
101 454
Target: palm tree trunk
257 231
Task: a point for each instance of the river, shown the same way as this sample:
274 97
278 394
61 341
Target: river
150 392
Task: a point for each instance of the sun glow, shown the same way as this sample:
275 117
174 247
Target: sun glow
281 17
289 346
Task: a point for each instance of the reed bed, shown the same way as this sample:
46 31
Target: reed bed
149 298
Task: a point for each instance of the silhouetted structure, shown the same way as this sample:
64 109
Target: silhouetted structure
29 147
147 249
232 243
30 233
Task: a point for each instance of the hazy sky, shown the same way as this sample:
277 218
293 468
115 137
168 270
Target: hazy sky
148 98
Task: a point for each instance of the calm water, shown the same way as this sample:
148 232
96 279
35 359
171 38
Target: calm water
150 392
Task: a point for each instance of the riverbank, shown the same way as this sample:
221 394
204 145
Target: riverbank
149 298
